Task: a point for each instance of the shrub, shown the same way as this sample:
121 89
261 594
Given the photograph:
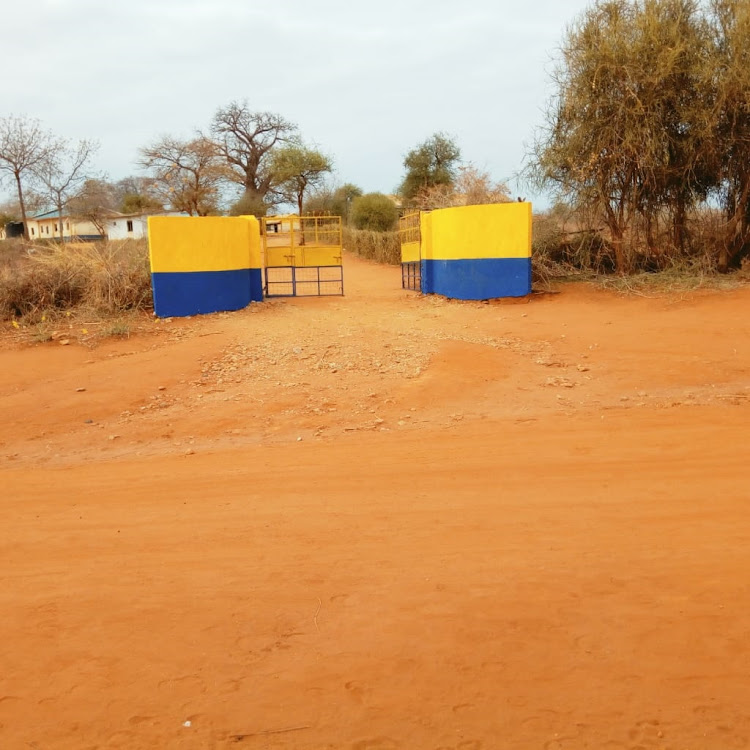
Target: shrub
375 212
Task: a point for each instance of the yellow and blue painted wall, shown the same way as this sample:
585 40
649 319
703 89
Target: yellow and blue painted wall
204 264
476 252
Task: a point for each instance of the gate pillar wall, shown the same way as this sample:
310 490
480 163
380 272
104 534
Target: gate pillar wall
477 252
204 264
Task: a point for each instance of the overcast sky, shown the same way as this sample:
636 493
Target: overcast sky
365 81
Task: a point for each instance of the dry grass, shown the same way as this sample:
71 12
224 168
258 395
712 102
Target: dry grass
680 276
382 247
40 284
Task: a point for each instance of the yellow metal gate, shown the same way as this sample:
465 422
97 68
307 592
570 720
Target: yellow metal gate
411 251
302 256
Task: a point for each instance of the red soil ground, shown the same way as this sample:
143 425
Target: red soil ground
382 522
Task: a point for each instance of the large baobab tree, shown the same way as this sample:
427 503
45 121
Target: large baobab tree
245 140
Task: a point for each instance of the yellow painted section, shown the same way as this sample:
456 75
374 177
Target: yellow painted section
410 252
256 247
500 230
409 237
180 244
321 256
305 242
279 252
425 229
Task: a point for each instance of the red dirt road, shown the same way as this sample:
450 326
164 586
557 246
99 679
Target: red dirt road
504 526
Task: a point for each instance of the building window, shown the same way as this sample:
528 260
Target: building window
130 225
32 231
67 225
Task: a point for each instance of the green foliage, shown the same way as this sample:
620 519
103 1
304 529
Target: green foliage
374 211
432 163
338 202
298 168
249 204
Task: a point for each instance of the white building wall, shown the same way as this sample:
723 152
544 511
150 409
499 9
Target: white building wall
49 229
130 228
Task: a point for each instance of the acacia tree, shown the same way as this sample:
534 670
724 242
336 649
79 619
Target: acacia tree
297 169
24 145
245 141
730 69
63 172
624 130
187 173
430 164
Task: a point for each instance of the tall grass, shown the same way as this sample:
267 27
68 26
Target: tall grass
101 277
382 247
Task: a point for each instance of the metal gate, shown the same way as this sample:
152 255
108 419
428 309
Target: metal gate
411 251
302 256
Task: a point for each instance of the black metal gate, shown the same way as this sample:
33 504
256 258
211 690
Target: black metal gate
300 281
411 276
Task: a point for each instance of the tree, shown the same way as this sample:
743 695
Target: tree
627 127
24 145
188 173
374 211
139 203
730 68
471 187
95 203
333 201
137 195
298 168
432 163
63 172
245 140
249 205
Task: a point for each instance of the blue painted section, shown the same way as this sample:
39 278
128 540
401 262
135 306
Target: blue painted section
198 292
256 284
483 278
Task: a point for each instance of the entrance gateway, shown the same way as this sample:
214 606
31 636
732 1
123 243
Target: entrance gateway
302 256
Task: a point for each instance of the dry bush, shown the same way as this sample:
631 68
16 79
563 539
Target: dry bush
472 187
106 278
13 253
382 247
561 251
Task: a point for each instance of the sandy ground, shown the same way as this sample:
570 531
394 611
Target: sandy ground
382 522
